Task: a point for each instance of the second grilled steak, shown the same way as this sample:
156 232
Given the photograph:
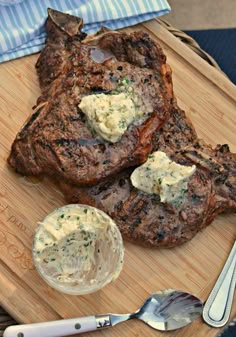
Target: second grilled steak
141 217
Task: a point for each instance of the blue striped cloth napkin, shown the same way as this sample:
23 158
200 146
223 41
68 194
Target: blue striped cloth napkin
22 25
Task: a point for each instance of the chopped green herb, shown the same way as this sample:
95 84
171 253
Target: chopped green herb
125 81
122 124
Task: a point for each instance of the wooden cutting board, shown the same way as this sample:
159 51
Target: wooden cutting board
209 99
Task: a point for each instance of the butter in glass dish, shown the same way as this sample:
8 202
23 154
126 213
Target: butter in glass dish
78 249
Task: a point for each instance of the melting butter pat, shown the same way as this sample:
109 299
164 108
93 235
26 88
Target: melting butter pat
109 115
162 176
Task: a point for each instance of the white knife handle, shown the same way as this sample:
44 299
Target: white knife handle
218 306
58 328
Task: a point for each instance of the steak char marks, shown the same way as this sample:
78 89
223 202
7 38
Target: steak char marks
56 140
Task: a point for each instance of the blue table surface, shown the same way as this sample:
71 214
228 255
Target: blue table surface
221 45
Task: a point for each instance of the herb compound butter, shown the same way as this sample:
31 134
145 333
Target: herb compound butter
110 115
78 249
162 176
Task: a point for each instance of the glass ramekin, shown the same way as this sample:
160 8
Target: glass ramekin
92 256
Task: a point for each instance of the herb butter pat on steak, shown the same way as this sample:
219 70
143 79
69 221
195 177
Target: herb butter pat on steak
109 115
162 176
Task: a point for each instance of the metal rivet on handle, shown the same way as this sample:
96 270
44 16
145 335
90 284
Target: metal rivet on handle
77 326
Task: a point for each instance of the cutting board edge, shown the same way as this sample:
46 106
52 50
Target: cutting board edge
214 75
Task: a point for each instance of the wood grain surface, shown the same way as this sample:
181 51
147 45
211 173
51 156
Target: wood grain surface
209 99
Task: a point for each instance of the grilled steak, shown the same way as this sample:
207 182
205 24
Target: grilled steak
56 140
141 217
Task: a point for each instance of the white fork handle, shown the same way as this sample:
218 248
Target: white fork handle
218 306
58 328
